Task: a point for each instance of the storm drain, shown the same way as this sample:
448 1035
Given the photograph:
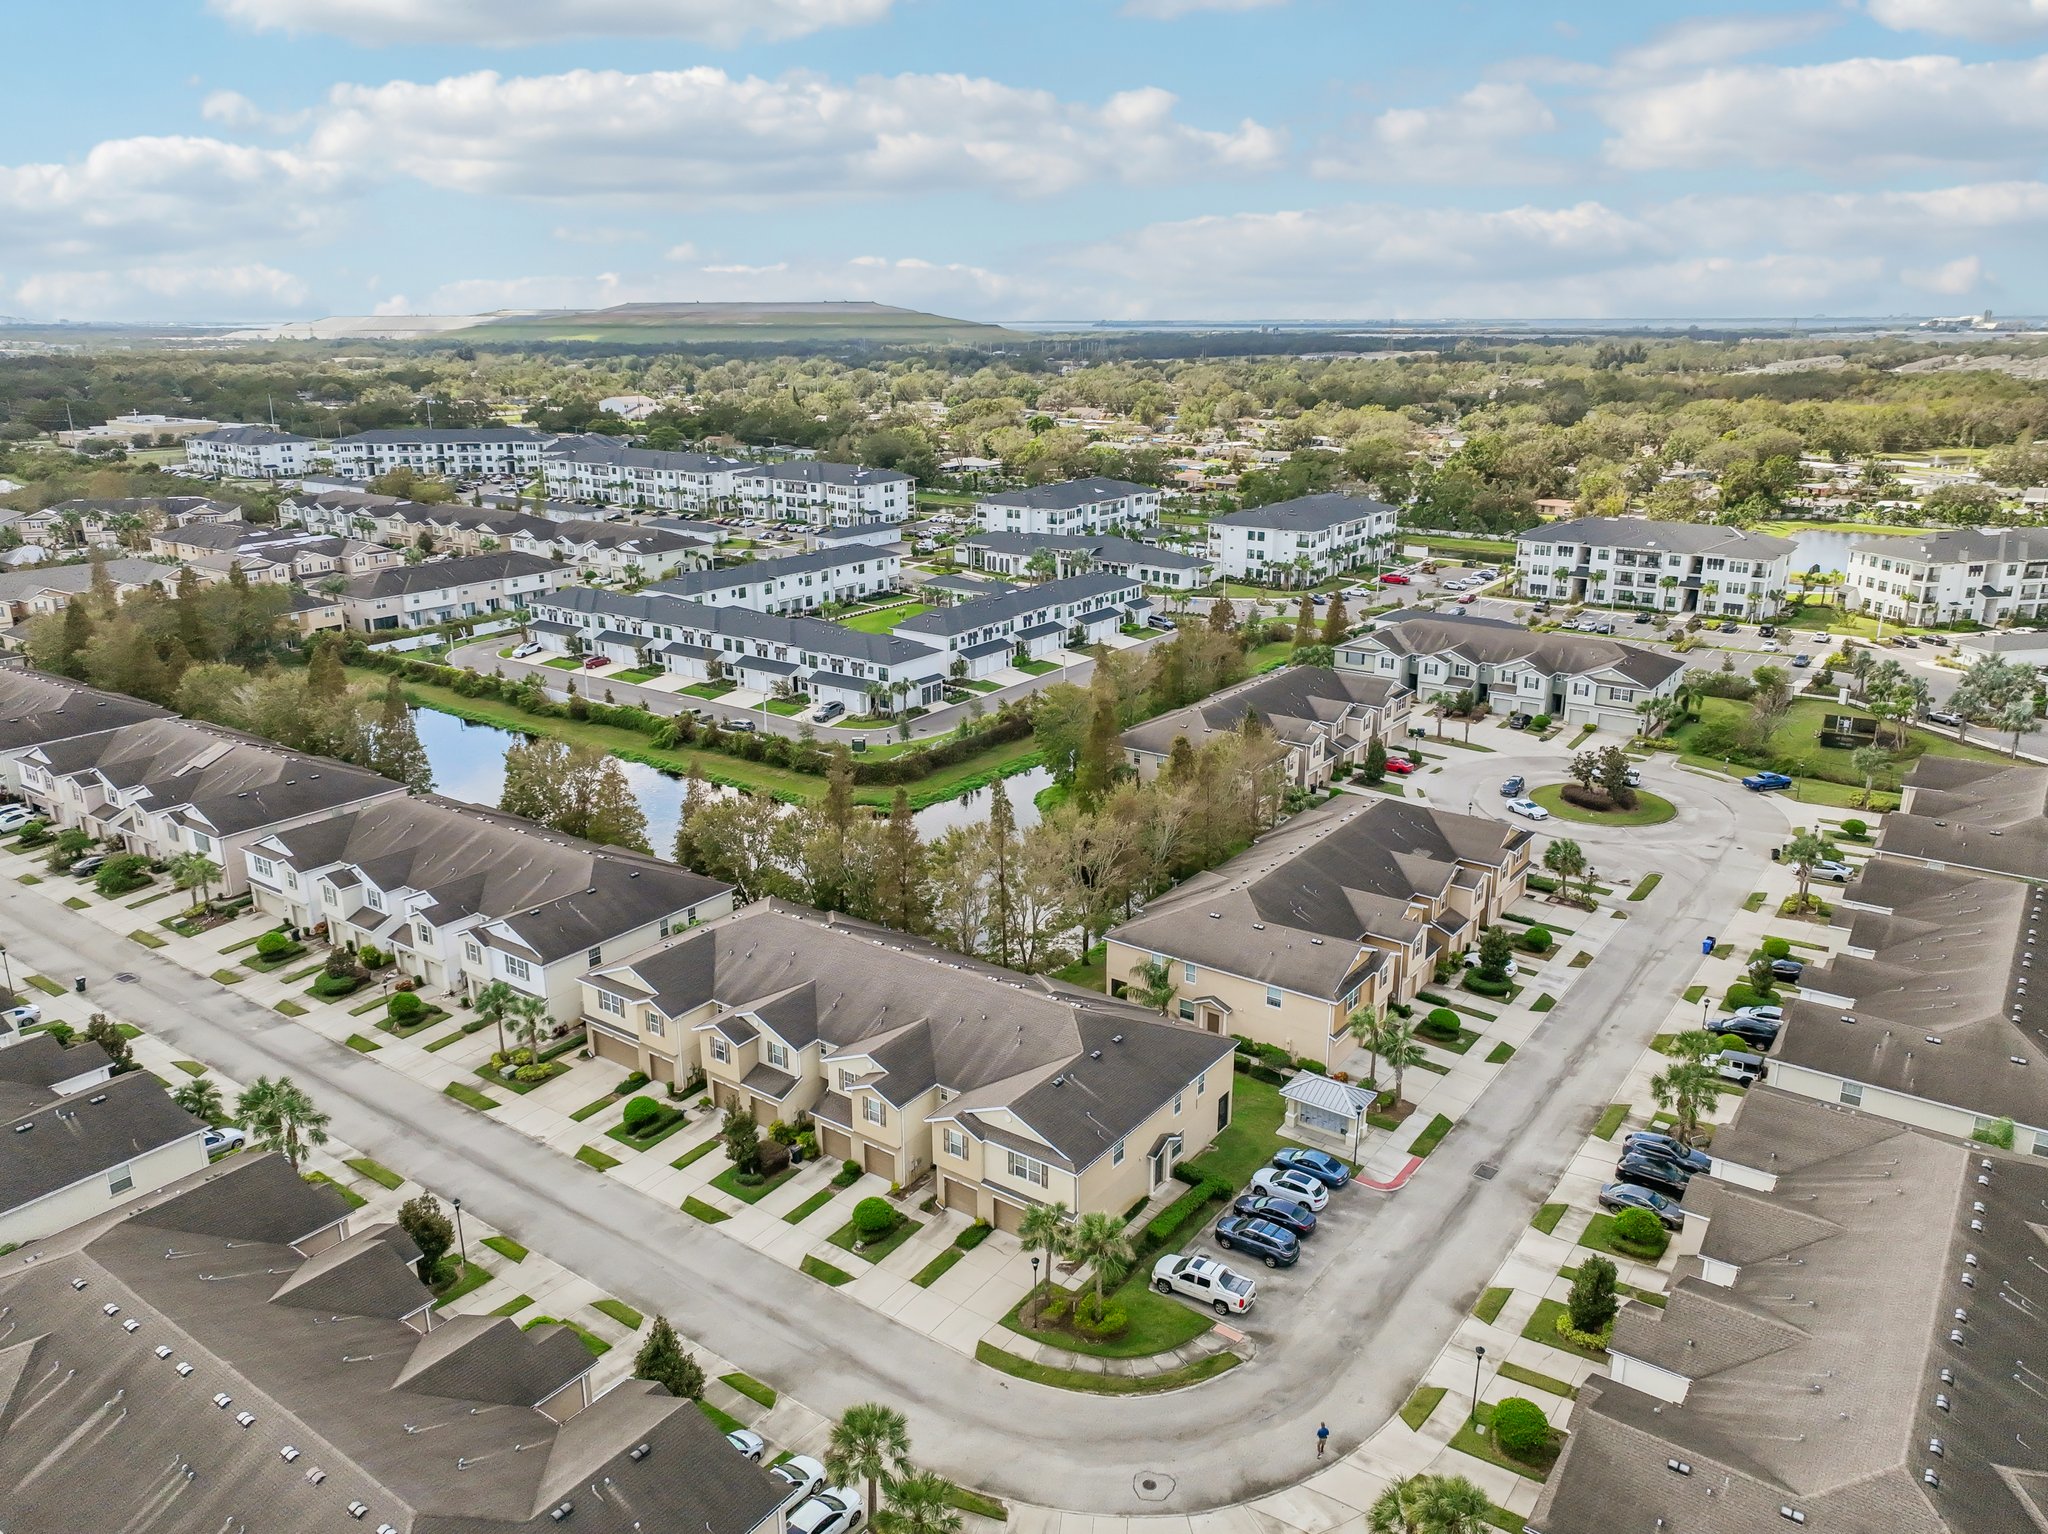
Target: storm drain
1153 1486
1486 1171
124 978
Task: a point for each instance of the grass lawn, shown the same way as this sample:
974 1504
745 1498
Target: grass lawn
1543 1003
1491 1304
506 1248
824 1272
1693 993
46 985
419 1024
1431 1137
590 1155
846 1235
1650 810
597 1345
719 1418
353 1199
788 708
591 1110
1531 1378
361 1045
513 1306
760 1394
1036 667
1547 1217
1644 885
698 1209
376 1171
620 1312
190 1067
809 1206
1251 1137
1542 1327
882 620
728 1182
1615 1116
483 1102
291 1009
638 674
474 1276
1469 1440
1421 1404
1795 741
938 1267
672 1120
1158 1322
695 1154
708 689
1204 1368
146 939
980 1505
1500 1054
1599 1235
1091 971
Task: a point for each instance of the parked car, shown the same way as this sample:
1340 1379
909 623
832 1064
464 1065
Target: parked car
1788 970
1224 1290
1528 809
1765 782
1519 721
1512 788
748 1442
1279 1182
1730 627
1472 962
1801 661
738 726
1833 868
1321 1165
1274 1245
1643 618
1766 630
1942 717
801 1474
225 1137
520 652
1654 1173
1753 1031
596 662
1633 777
14 816
1739 1066
826 712
1467 600
1400 766
1284 1212
1395 578
1910 644
91 863
1618 1196
1761 1013
836 1511
24 1016
1670 1149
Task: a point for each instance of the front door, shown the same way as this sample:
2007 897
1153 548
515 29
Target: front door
1223 1112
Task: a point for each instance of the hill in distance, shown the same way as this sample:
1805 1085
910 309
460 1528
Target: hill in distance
685 324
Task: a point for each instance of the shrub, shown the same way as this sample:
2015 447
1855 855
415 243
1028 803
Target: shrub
849 1174
1777 948
1594 1297
1537 940
1577 1338
1474 981
1442 1023
973 1236
1640 1231
639 1113
1520 1427
1540 722
330 986
774 1158
633 1083
271 944
405 983
873 1217
1113 1322
1855 830
535 1073
1743 994
405 1007
119 875
342 966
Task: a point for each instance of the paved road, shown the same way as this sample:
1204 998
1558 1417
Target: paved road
1348 1351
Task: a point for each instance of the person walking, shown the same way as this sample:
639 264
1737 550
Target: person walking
1322 1439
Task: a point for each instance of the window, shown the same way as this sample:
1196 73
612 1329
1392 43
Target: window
471 952
1272 995
1176 1104
120 1179
612 1004
778 1056
374 898
845 1080
874 1110
518 968
201 842
956 1144
265 869
1201 1083
597 956
1024 1169
327 894
721 1051
424 933
1187 1010
1116 1154
1852 1093
654 1025
1187 974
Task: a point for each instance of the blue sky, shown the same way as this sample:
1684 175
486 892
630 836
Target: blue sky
1065 159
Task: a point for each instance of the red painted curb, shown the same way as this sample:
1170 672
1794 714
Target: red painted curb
1399 1179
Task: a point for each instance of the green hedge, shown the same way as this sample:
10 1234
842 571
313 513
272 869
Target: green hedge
1190 1206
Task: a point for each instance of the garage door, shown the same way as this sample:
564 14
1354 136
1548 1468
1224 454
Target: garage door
618 1050
1009 1216
879 1160
836 1143
961 1195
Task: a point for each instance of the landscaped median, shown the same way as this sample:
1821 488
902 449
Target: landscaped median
1205 1368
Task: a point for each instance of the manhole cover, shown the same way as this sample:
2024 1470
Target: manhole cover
1485 1171
124 978
1153 1486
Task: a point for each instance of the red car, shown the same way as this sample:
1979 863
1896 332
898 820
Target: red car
1400 766
1395 578
1466 600
592 662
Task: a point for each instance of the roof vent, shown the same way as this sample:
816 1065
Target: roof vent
1948 1376
1955 1336
1116 1038
131 1324
223 1400
97 1098
1962 1314
110 1310
163 1350
246 1418
1969 1259
315 1476
1933 1038
1095 1054
183 1370
1215 916
357 1509
1941 1400
1930 1478
78 1283
2017 1059
638 1452
1792 1514
1316 942
288 1454
561 1513
22 1129
1678 1465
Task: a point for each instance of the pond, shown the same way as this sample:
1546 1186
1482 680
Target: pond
469 763
1826 547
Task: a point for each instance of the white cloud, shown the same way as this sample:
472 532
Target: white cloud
231 109
1984 20
1863 115
1707 40
518 23
1471 139
1952 279
1173 10
703 135
143 196
397 303
161 292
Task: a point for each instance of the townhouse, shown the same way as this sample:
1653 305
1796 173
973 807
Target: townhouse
447 529
442 590
293 1372
1671 567
853 535
1978 817
988 634
1300 542
450 452
1987 576
1078 507
825 494
1009 1091
612 472
463 896
1845 1344
1348 906
793 583
765 652
80 1140
39 710
1576 678
613 551
270 554
38 593
250 452
1007 553
110 522
163 787
1323 717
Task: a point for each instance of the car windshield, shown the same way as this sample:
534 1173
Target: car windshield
1235 1283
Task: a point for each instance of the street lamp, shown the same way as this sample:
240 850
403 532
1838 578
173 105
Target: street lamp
1038 1306
1478 1358
461 1247
7 968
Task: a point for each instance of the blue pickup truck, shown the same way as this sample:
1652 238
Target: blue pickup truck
1764 782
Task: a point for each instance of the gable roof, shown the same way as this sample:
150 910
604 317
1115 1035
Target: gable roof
1068 495
443 574
65 1140
1294 702
1489 642
1309 513
37 708
1007 606
1649 533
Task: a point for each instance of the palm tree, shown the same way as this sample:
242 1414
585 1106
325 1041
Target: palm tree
2018 716
1399 1049
199 1097
1804 851
1399 1508
1450 1504
281 1117
195 870
1153 981
1868 762
529 1015
1688 1087
871 1441
1364 1026
492 1003
1044 1229
1100 1240
919 1503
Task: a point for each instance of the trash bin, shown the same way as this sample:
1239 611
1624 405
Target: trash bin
1706 945
78 985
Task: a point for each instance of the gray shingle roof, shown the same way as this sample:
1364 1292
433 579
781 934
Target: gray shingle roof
1292 702
813 634
1309 513
820 472
1984 815
594 448
1485 641
443 574
1069 494
68 1139
1673 537
74 580
1104 549
1092 589
695 583
36 708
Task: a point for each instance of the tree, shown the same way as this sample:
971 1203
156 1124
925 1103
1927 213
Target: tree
741 1135
1099 1239
195 870
1594 1298
281 1117
431 1231
2018 717
871 1442
1451 1504
1689 1086
1305 622
1101 753
528 1017
1154 984
1868 762
1398 1509
1336 622
1802 853
200 1097
1398 1048
1565 860
1496 953
106 1033
663 1359
1044 1229
326 681
1375 761
397 753
921 1502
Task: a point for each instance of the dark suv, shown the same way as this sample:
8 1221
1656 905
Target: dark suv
1653 1172
1270 1243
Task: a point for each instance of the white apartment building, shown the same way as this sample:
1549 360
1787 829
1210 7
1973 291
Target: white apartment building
451 452
1672 567
793 583
826 494
440 590
1078 506
1011 554
250 452
987 632
1301 541
612 472
1987 575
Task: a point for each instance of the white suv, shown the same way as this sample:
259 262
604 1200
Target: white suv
1225 1290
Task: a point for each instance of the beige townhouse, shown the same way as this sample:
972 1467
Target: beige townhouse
1324 718
1007 1090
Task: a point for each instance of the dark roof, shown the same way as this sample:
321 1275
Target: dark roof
814 634
1104 549
694 583
446 435
1990 816
593 447
820 472
36 709
1309 513
1673 537
1294 702
249 436
439 574
1489 642
1069 494
69 1139
1024 602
